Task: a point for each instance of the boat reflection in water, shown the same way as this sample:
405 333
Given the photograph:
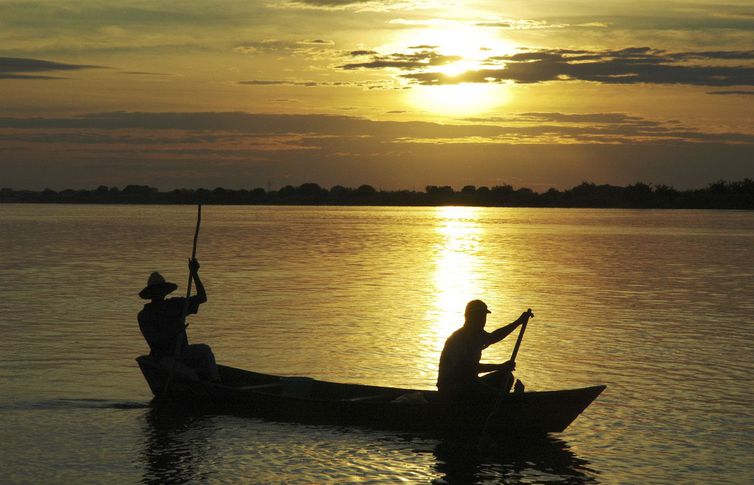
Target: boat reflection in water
539 460
184 447
175 446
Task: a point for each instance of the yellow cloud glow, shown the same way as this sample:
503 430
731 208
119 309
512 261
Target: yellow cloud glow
472 45
458 99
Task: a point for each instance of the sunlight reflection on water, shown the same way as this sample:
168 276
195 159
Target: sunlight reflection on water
456 267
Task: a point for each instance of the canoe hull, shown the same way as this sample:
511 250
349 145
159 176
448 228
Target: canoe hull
311 401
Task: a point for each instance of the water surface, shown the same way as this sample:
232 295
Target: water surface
658 305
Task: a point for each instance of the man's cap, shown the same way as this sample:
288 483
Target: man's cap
156 286
476 306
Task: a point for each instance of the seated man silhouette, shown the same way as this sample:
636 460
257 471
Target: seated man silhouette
162 324
458 376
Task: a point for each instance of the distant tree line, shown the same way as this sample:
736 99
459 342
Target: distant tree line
718 195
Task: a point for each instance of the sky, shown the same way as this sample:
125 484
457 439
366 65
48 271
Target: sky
397 94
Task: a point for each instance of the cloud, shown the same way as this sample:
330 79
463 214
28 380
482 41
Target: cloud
711 55
273 46
262 82
732 93
377 84
497 23
593 25
357 5
532 127
146 73
631 65
45 28
319 42
517 24
330 3
427 22
744 14
609 118
409 62
231 148
710 19
24 68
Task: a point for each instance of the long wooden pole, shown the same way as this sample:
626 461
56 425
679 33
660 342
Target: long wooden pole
179 337
191 275
521 336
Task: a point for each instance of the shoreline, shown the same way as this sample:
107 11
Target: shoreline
234 204
720 195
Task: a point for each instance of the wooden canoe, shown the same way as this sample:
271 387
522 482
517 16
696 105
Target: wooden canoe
306 400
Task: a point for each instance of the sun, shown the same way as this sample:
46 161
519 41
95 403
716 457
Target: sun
472 45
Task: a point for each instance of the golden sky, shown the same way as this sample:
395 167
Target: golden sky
392 93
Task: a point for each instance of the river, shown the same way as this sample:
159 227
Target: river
658 305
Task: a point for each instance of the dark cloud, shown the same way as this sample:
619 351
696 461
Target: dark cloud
631 65
502 25
711 21
528 24
733 93
245 123
342 4
331 3
522 127
408 62
722 55
259 82
289 46
262 82
519 24
146 73
24 68
610 118
316 42
310 84
228 149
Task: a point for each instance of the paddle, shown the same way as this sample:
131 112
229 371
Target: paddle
179 337
506 386
521 336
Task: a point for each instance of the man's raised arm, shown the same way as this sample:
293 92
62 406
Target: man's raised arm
503 332
201 294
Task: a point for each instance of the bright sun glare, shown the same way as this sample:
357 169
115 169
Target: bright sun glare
472 45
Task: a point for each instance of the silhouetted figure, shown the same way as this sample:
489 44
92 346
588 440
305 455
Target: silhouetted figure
458 377
162 325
